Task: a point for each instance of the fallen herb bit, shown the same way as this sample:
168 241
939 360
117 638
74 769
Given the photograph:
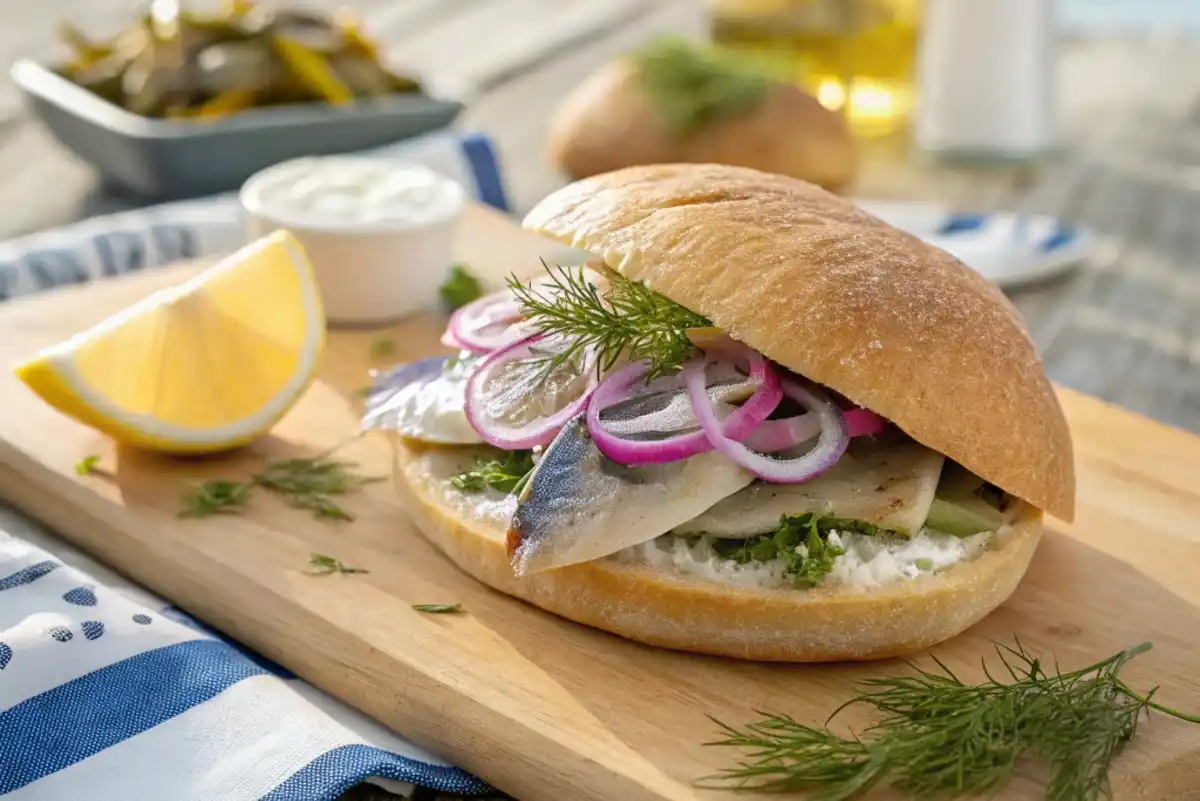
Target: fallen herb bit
86 465
384 346
459 288
507 473
439 609
941 738
216 497
364 392
308 483
321 565
304 483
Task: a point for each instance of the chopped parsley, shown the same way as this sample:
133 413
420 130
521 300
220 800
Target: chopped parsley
459 288
506 472
801 540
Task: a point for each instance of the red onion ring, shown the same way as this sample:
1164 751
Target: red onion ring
494 320
542 430
488 323
780 435
863 423
449 340
745 419
831 444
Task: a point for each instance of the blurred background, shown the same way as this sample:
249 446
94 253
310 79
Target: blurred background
1054 144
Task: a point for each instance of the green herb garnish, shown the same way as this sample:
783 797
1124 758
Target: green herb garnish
506 473
439 609
630 321
459 288
216 497
86 465
383 347
309 483
801 540
321 565
693 84
304 483
940 738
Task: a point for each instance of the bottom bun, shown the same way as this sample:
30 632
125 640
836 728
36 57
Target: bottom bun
687 613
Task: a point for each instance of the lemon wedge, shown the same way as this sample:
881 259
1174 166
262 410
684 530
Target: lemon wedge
204 366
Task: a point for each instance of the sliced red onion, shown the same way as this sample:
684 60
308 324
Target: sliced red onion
494 320
774 436
449 340
486 405
487 324
831 442
738 425
863 423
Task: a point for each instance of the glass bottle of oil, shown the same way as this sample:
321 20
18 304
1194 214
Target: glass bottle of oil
855 56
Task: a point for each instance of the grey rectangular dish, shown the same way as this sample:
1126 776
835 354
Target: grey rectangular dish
169 159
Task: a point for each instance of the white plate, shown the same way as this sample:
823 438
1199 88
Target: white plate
1007 249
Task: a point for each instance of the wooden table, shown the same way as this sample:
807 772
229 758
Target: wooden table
1124 327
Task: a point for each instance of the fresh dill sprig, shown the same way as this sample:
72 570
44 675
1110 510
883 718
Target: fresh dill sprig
217 496
939 737
304 483
309 483
629 321
459 288
694 84
321 565
506 473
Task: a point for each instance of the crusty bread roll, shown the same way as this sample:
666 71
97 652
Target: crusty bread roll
692 614
609 122
841 298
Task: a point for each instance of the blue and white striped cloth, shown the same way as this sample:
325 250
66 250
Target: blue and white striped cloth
166 233
109 694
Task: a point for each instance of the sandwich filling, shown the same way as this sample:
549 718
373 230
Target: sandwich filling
619 425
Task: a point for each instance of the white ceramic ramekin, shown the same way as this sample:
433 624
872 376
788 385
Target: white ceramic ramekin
369 272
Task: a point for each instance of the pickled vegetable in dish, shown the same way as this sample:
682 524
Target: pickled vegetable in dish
174 63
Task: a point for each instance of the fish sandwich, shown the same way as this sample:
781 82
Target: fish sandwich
761 423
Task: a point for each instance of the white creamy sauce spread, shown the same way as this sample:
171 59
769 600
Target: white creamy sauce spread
434 410
869 561
348 191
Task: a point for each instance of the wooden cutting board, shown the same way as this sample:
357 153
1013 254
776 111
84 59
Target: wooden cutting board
546 709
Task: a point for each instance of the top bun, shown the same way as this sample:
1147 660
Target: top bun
840 297
609 122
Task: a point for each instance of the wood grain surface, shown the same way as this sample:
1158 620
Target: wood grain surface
1125 327
546 709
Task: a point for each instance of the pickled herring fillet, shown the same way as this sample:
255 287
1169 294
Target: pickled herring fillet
579 505
891 487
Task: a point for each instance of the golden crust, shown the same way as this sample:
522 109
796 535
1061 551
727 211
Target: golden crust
838 296
691 614
608 122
